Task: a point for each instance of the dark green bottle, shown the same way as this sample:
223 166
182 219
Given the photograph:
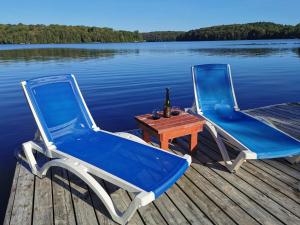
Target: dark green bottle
167 106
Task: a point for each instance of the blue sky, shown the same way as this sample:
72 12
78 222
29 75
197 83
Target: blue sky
149 15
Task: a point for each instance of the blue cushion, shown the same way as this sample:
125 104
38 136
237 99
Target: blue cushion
58 105
260 138
141 165
224 111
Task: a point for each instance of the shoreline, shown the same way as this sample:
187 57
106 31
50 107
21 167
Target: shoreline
139 42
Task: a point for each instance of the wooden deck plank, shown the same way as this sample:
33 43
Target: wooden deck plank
289 111
43 205
227 205
287 170
23 204
281 116
121 200
84 210
103 216
213 212
256 195
150 214
62 199
293 106
12 196
269 175
169 211
295 166
208 168
284 117
275 173
270 192
188 208
232 209
280 186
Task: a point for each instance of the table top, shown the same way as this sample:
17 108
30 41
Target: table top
183 120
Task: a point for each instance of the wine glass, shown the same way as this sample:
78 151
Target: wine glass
175 110
155 114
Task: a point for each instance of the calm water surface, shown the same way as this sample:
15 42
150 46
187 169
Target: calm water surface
119 81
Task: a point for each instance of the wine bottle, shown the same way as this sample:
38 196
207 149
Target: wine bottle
167 106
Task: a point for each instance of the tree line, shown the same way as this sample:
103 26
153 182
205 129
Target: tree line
161 35
249 31
44 34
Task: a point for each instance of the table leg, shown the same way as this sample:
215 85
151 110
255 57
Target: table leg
193 141
146 136
164 143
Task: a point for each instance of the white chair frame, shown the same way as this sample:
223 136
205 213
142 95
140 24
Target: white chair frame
83 169
218 133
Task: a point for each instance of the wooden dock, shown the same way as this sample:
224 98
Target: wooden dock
262 192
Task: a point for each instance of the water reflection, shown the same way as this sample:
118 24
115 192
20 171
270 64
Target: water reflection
297 51
243 52
268 43
46 54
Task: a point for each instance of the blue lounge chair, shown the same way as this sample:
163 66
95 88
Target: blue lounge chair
69 136
215 101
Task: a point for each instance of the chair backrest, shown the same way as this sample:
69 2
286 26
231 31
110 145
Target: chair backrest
213 88
58 106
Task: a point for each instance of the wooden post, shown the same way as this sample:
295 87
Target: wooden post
146 136
193 141
164 142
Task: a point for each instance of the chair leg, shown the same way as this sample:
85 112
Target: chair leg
234 165
220 143
29 158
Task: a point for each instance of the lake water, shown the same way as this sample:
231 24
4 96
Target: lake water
119 81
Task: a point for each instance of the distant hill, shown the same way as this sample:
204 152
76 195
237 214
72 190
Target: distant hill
249 31
161 35
42 34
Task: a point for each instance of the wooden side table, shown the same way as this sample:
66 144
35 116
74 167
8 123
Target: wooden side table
166 129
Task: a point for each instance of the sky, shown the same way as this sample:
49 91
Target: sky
149 15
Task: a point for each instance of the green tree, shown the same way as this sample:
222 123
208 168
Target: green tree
20 33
